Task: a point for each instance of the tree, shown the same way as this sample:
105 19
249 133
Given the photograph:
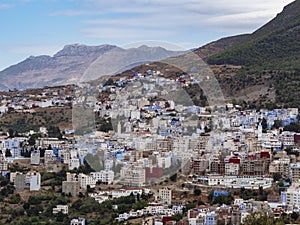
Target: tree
173 178
34 200
177 217
294 216
261 190
211 195
197 192
105 125
54 132
60 217
294 127
11 133
264 124
15 199
223 199
34 211
76 205
81 195
26 205
277 124
109 82
277 177
280 184
31 140
261 218
8 153
89 189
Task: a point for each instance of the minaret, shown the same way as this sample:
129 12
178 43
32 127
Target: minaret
259 132
119 128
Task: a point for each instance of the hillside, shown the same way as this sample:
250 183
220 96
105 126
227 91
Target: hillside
276 45
270 57
221 45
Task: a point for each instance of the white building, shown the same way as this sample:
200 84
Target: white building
105 176
61 208
165 195
79 221
43 130
86 180
74 163
35 157
293 195
65 155
3 166
287 138
49 157
164 162
35 181
136 114
294 172
133 175
248 182
280 166
232 169
108 164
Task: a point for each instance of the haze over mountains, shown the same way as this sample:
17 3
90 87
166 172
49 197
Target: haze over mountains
72 64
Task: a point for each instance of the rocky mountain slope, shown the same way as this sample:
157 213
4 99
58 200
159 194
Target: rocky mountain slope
70 65
268 58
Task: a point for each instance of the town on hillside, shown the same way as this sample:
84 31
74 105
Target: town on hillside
140 151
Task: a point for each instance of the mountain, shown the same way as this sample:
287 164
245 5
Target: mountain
260 69
221 45
268 59
276 45
76 63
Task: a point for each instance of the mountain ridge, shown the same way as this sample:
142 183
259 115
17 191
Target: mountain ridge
270 58
68 65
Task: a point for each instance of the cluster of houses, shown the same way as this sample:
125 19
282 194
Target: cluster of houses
39 98
156 134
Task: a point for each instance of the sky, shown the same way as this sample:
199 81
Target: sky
43 27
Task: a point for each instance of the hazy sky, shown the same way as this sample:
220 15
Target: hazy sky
34 27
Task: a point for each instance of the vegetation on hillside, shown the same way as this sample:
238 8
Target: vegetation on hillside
273 53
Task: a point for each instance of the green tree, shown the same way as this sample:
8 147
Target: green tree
211 195
34 200
295 216
173 178
223 199
277 124
294 127
26 205
109 82
11 133
60 217
197 192
31 140
8 153
277 177
177 217
264 124
54 132
261 218
15 199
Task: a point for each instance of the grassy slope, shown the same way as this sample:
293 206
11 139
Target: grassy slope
272 51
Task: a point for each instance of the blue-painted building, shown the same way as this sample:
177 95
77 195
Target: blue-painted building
210 219
56 153
218 193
